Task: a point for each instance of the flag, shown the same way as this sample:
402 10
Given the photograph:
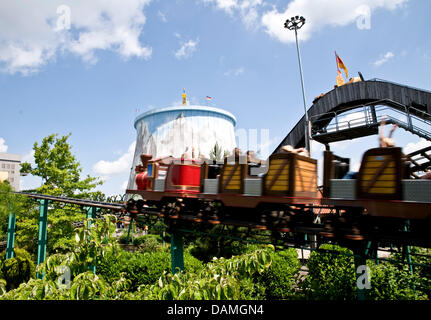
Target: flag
340 64
208 98
340 80
184 97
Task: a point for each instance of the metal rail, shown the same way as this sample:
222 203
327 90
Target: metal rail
331 124
81 202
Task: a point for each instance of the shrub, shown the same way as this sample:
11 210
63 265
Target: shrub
420 256
221 279
191 264
278 280
18 269
388 282
331 275
144 268
148 243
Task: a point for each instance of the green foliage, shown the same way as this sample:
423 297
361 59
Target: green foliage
279 279
192 264
217 153
9 203
331 275
205 248
58 168
91 246
145 243
145 268
222 279
18 269
422 271
86 286
60 173
388 282
2 287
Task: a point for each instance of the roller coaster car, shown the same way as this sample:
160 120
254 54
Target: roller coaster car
170 175
380 175
291 175
184 177
383 175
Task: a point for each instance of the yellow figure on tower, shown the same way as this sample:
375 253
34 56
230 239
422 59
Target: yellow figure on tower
184 97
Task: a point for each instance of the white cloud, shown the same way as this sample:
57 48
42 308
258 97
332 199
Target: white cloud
121 165
384 58
3 146
28 157
187 49
234 72
226 5
34 33
322 13
124 185
247 10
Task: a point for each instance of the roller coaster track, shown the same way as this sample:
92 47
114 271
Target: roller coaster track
81 202
412 103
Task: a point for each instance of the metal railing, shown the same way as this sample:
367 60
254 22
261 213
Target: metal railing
372 114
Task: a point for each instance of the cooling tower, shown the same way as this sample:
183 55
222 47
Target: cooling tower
173 131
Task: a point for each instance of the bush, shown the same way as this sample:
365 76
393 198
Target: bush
18 269
278 280
206 248
144 268
388 282
420 256
110 265
331 275
221 279
191 264
148 243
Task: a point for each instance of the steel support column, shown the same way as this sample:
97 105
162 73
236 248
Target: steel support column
177 248
128 232
407 248
41 242
91 214
10 236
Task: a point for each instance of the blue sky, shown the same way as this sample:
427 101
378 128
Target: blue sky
87 67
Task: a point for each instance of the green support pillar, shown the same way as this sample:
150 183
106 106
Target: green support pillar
41 242
10 236
177 248
128 232
407 248
91 214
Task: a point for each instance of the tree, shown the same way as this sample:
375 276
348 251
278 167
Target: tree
60 173
59 169
217 153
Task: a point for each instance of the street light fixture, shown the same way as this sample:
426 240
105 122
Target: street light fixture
296 23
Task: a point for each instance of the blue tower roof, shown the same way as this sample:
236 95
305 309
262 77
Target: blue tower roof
187 111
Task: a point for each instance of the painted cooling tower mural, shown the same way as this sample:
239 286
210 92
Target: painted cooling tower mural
174 131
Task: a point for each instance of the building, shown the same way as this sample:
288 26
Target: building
186 129
10 165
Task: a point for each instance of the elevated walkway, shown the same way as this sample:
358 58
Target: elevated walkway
412 104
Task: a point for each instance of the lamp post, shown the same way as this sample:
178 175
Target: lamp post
296 23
